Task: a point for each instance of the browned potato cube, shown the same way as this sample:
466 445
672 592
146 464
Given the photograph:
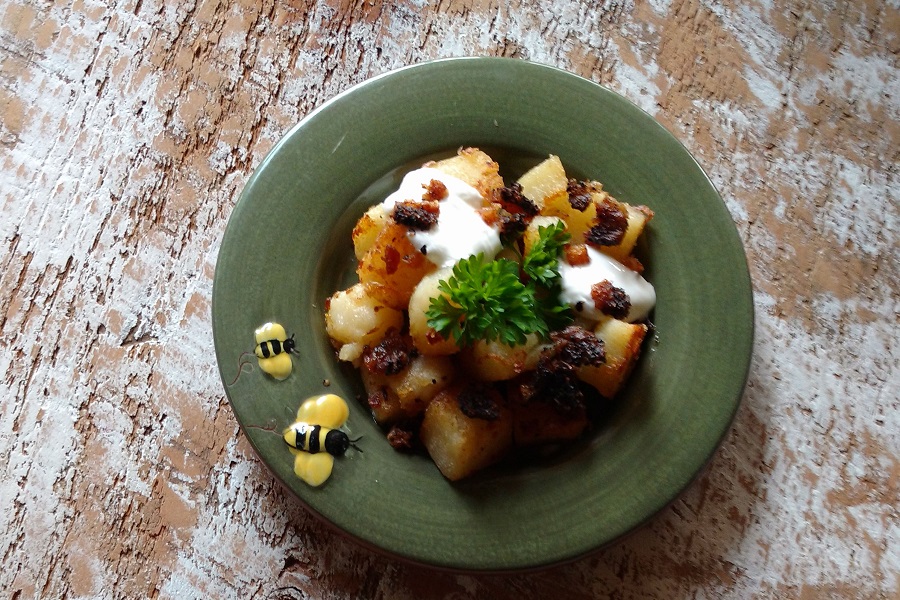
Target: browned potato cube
473 167
367 229
622 342
409 391
359 316
638 217
459 444
539 422
495 361
395 263
544 182
425 338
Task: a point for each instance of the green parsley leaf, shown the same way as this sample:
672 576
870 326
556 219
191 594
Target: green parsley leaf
541 262
486 301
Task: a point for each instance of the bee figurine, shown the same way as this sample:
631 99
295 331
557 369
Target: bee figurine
273 350
315 439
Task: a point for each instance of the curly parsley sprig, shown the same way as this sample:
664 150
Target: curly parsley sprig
541 262
485 301
489 301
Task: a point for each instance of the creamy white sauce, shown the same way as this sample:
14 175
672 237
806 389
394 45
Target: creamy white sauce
577 282
460 232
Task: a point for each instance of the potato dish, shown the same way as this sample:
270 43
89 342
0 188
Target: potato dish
490 319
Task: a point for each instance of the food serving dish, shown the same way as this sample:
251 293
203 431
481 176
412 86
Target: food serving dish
287 248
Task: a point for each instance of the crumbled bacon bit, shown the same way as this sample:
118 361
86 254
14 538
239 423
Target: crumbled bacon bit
514 202
512 225
554 380
416 215
610 225
579 194
610 300
490 214
633 263
435 190
401 438
576 254
578 347
478 401
388 357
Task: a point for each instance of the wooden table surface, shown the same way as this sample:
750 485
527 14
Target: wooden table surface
127 130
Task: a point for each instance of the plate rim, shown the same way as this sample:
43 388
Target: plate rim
438 64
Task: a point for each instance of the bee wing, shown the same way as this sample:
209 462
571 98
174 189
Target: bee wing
326 410
270 331
278 366
314 469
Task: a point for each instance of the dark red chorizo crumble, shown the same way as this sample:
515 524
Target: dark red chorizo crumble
576 254
609 227
417 215
513 201
610 300
479 401
390 356
435 190
579 194
554 381
401 438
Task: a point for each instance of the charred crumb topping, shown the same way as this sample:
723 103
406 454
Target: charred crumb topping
479 401
514 201
434 191
579 194
609 228
554 380
390 356
512 225
417 215
578 347
610 300
515 212
402 437
576 254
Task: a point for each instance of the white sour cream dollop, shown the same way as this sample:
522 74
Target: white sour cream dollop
460 232
578 280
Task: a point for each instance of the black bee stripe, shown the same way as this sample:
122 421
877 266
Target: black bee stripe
264 349
312 439
276 346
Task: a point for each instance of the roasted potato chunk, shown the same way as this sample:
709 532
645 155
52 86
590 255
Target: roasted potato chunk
545 182
473 167
495 361
408 393
460 444
536 422
426 339
358 316
395 263
367 230
622 342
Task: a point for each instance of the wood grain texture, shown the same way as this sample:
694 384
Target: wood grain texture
127 130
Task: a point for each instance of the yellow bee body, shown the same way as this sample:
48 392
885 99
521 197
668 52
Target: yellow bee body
273 350
315 439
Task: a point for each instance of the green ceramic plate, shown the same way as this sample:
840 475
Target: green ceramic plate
287 248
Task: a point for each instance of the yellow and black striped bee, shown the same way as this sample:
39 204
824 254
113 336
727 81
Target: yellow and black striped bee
315 439
273 350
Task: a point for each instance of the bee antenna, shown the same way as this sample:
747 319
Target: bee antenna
353 444
241 364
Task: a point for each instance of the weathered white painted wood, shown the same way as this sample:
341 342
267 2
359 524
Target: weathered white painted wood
127 130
